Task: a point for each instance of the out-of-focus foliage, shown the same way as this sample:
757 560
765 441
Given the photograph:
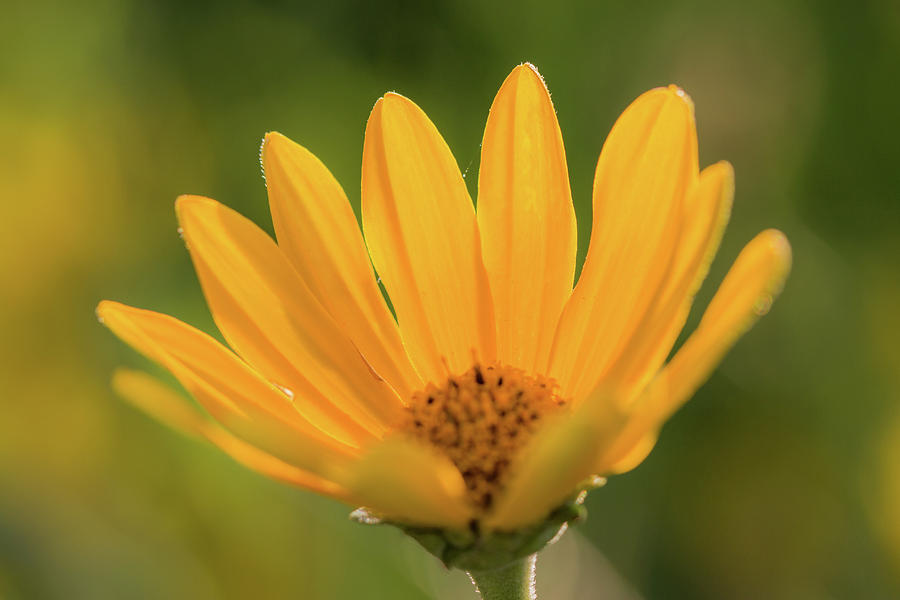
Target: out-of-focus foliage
781 479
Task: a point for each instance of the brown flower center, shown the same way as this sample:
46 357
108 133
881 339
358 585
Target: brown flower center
480 420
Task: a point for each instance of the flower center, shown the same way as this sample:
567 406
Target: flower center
480 420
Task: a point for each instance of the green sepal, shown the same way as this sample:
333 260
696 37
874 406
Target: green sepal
475 550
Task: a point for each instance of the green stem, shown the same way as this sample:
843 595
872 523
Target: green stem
515 581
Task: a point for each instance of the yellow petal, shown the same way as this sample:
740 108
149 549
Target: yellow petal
747 292
526 218
562 455
159 401
172 409
635 456
408 482
708 209
318 232
421 231
235 395
272 319
648 164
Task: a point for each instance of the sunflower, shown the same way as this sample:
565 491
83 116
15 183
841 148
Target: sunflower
491 388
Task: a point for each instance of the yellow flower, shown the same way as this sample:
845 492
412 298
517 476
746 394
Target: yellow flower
499 388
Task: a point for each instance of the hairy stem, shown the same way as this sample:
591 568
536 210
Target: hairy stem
515 581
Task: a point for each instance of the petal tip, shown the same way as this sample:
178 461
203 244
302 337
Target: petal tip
276 152
778 240
393 99
185 200
188 204
661 96
375 113
182 205
392 104
107 309
122 380
526 73
528 69
393 108
272 139
531 66
659 99
770 256
677 92
723 174
102 310
109 313
726 167
781 249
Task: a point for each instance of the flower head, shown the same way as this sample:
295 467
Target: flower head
500 387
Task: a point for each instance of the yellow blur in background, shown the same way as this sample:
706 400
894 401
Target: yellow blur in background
781 479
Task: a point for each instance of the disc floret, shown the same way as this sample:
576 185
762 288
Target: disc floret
480 420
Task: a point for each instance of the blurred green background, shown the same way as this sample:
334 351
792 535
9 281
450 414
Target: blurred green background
781 479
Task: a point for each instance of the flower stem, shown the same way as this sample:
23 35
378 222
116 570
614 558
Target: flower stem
515 581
